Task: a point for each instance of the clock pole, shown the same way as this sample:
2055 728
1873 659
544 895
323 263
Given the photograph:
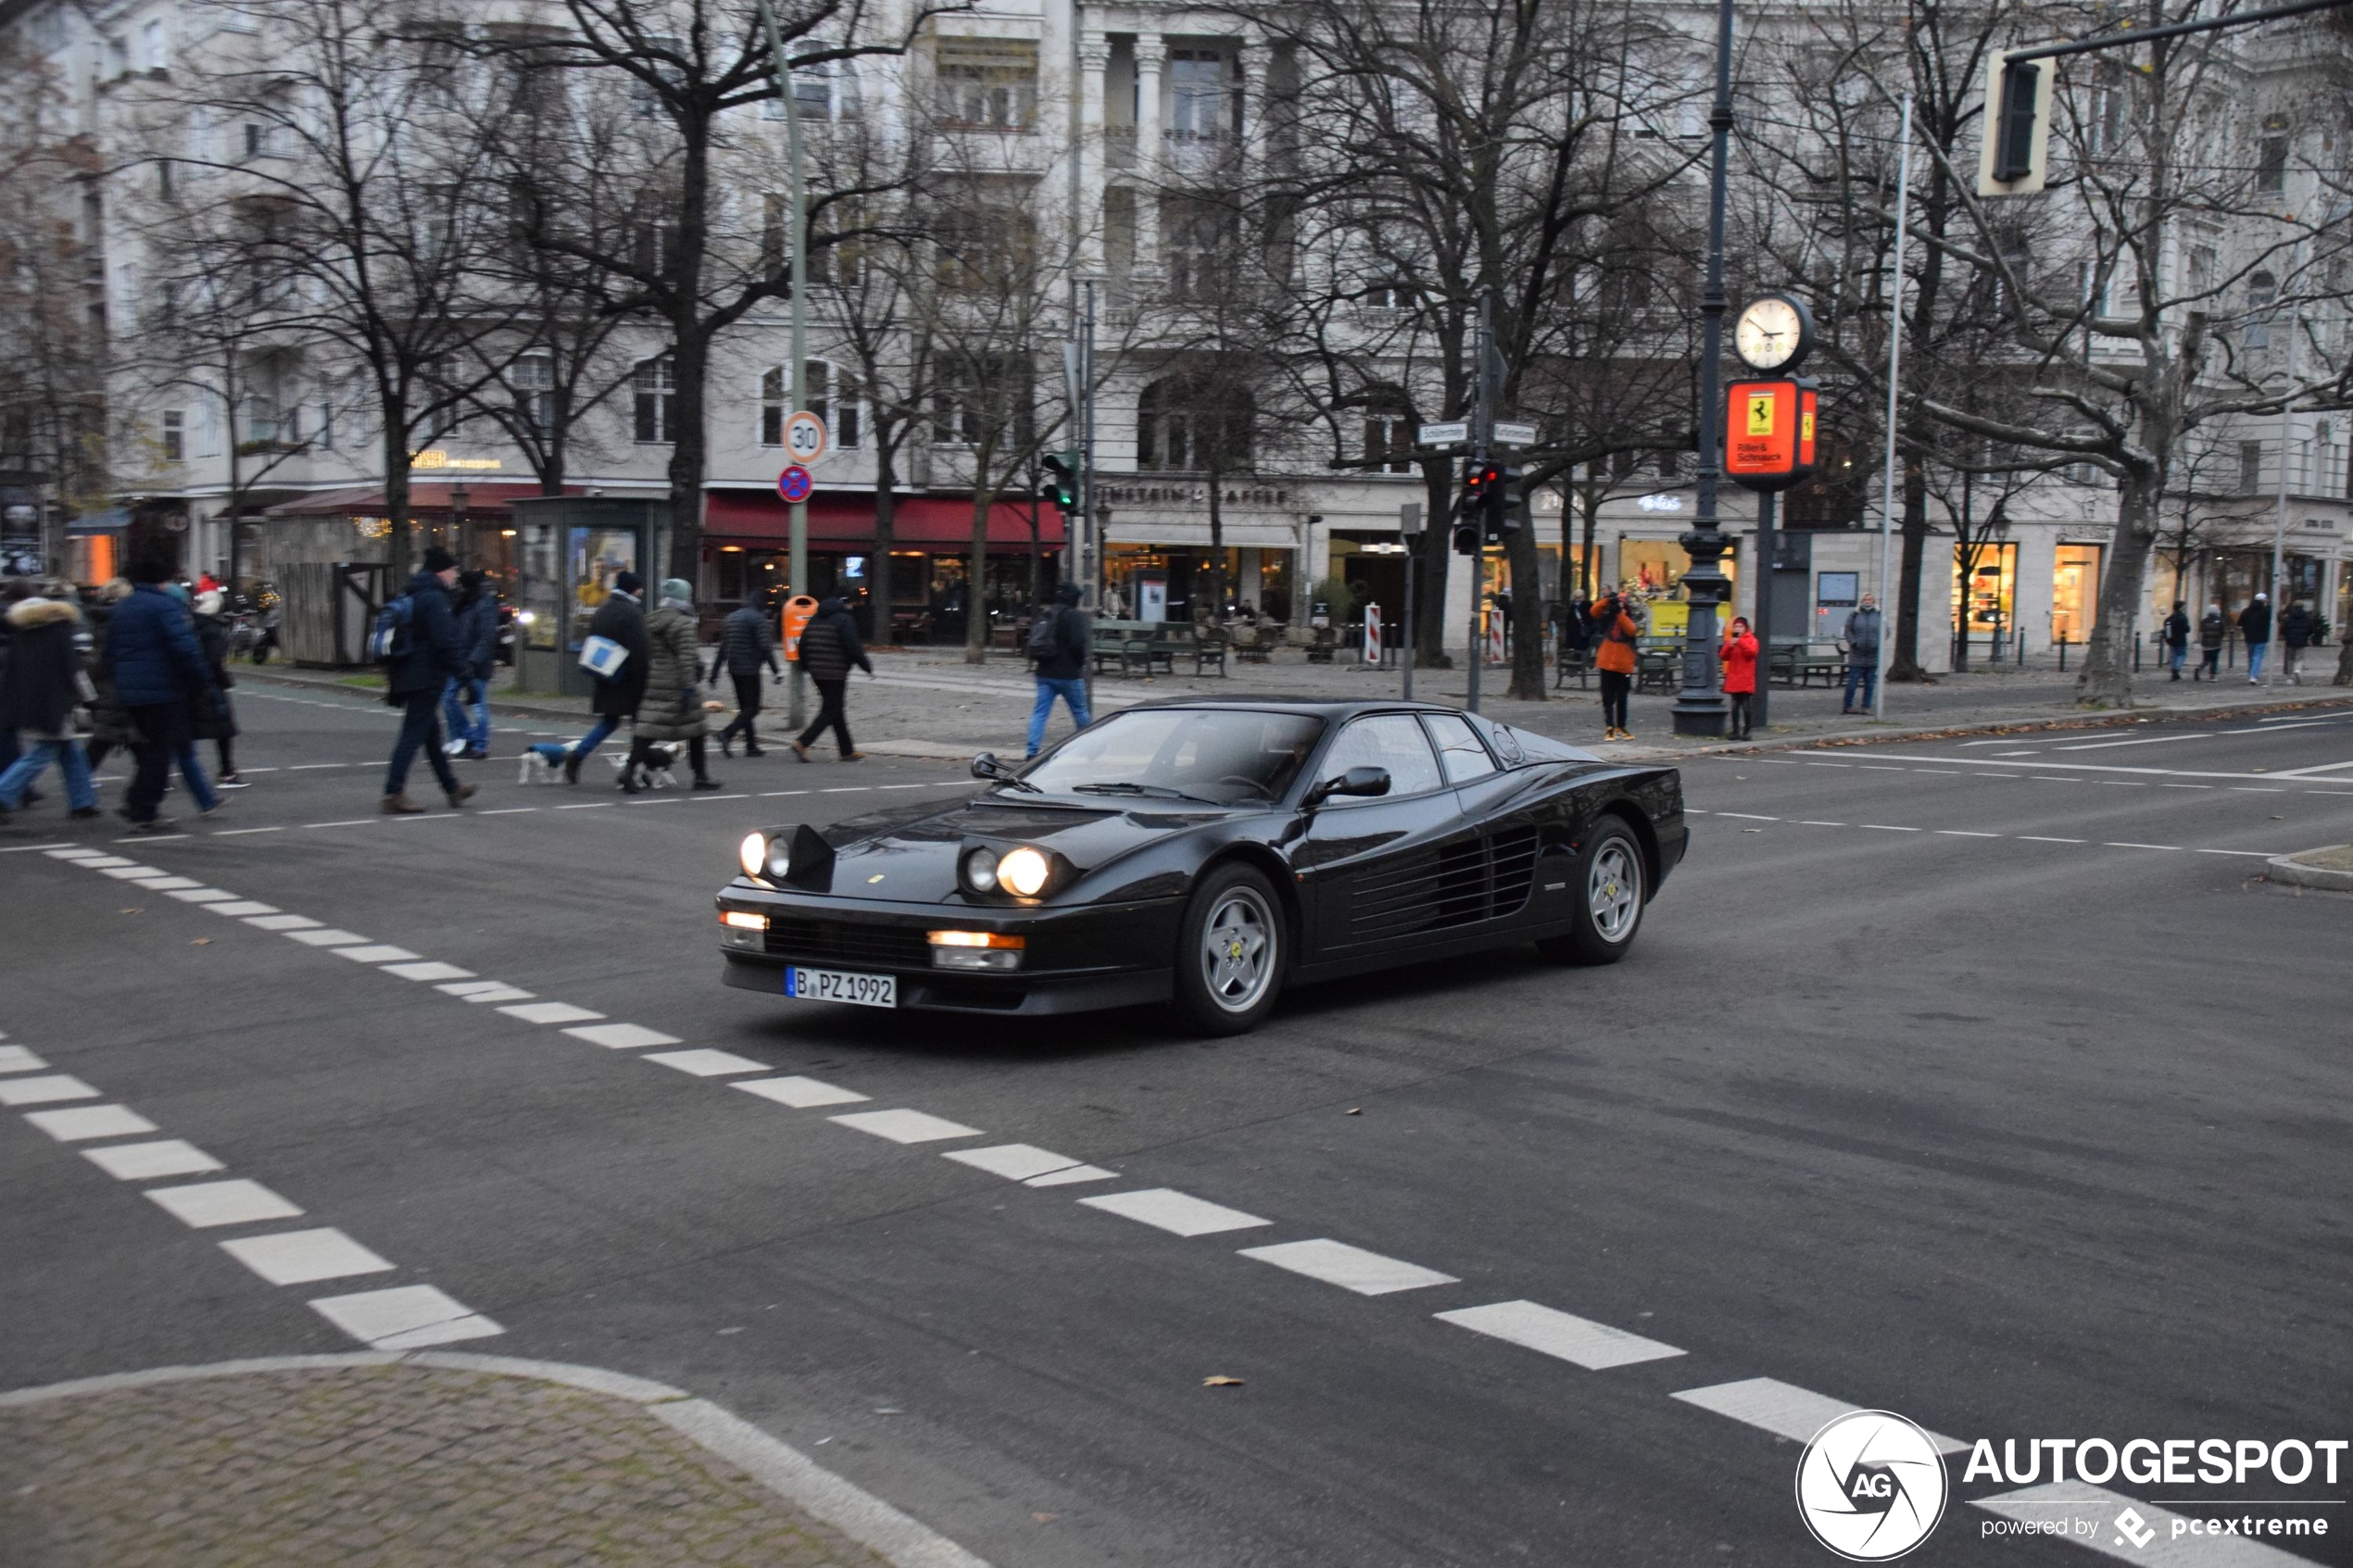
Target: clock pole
1699 707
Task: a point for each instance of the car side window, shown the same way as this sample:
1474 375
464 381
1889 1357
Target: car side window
1385 740
1460 750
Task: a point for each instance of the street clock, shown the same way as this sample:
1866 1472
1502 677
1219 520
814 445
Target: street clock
1774 332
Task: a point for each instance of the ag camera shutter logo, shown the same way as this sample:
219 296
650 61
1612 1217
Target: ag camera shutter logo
1871 1485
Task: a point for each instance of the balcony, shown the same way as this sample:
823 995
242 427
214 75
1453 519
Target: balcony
1119 146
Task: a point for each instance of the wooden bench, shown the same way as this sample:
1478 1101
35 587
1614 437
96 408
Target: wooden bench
1795 663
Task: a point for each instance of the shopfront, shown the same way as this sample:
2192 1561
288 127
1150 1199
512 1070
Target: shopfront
1255 578
2075 593
920 592
1984 598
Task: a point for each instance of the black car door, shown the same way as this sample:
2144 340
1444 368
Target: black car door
1372 868
1490 863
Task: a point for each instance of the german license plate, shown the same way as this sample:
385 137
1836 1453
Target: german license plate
841 985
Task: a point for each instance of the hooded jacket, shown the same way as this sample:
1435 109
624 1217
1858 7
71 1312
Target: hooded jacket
1618 633
2295 627
672 705
435 653
39 686
153 651
1072 635
829 643
622 618
2255 622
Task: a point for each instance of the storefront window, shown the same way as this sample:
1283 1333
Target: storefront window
1984 590
2075 592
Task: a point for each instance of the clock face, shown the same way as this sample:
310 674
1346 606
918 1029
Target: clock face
1770 333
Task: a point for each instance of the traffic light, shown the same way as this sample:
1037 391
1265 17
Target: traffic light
2016 128
1502 505
1062 482
1475 514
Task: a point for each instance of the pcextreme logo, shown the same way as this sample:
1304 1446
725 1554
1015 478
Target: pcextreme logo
1870 1485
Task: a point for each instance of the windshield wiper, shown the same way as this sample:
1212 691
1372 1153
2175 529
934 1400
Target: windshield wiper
1157 791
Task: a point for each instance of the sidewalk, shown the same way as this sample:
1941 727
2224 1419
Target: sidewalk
929 703
374 1461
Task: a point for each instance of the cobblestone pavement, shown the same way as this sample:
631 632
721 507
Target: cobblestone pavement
381 1467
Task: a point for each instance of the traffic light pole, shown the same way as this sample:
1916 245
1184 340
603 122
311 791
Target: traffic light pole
1699 707
1482 434
797 220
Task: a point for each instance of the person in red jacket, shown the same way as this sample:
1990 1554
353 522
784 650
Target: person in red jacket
1739 655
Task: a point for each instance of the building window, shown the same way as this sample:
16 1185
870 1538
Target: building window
1198 240
986 83
826 91
833 397
152 50
1185 427
2250 467
1389 442
655 386
1388 296
775 397
532 377
2271 157
1205 102
175 435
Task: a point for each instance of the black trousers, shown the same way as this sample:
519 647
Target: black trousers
832 713
1740 714
2211 663
747 709
1615 687
163 730
419 731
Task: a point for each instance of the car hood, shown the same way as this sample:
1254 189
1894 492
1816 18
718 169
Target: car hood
908 854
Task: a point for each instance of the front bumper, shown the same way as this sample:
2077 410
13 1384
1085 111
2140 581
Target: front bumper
1077 960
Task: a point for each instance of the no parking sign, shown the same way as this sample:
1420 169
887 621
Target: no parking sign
795 482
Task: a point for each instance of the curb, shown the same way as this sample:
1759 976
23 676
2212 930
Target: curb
864 1517
2291 870
523 708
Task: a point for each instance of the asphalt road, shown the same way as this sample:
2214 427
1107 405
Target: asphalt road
1982 1082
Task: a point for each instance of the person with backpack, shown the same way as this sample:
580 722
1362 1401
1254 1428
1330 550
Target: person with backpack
2177 637
417 638
1616 660
2297 628
41 686
159 673
746 642
1058 642
465 701
621 621
829 646
2212 629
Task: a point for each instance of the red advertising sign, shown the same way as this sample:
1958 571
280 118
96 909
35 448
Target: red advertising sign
1761 429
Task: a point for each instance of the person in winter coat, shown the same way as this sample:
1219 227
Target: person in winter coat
465 701
109 727
1062 671
1739 655
2255 625
829 648
746 642
415 680
159 672
2212 629
621 619
2177 637
2296 630
1863 629
39 688
672 707
1615 660
216 720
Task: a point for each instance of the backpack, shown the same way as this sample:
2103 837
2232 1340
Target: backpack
391 638
1044 636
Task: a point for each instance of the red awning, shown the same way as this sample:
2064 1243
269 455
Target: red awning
368 500
761 520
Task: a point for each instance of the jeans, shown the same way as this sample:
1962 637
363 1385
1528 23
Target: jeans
465 709
830 711
163 736
2178 654
80 793
420 730
1073 695
2254 652
598 737
1865 676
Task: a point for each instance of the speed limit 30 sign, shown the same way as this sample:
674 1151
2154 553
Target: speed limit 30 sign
805 437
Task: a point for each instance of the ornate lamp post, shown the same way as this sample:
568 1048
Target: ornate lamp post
1699 707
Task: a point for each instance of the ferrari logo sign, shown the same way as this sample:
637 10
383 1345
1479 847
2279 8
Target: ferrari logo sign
1770 433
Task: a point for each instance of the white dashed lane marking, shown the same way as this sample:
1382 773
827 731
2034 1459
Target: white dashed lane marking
406 1317
1785 1410
1350 1268
705 1063
1580 1341
236 1201
1023 1162
300 1257
619 1036
905 1126
15 1059
551 1012
147 1162
91 1121
45 1091
800 1093
1176 1212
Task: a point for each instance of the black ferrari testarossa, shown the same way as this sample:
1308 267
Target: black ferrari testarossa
1211 851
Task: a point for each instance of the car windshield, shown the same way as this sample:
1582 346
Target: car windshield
1214 756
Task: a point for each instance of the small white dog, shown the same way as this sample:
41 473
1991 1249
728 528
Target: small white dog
655 772
543 763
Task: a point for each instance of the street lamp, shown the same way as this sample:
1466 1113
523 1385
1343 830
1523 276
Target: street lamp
459 496
1699 707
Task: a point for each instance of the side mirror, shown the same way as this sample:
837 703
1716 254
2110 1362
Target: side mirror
986 766
1356 780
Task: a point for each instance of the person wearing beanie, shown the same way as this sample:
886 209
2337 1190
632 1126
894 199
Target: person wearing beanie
159 673
465 702
414 682
673 709
621 619
829 648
